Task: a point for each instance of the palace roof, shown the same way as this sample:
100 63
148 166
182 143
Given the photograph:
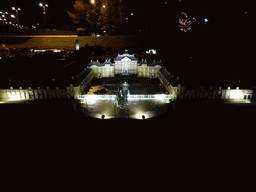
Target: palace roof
94 63
143 62
120 57
157 63
108 62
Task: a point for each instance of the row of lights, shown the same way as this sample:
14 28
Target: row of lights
3 16
138 116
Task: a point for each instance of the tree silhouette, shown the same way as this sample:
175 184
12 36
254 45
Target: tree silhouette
101 15
112 17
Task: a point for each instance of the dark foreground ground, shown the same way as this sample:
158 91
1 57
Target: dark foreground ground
52 140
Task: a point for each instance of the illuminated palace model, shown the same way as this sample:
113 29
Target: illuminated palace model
126 65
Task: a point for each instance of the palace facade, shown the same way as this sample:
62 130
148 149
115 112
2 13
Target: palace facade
126 65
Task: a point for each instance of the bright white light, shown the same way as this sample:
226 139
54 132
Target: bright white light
153 51
1 12
14 96
13 8
139 116
98 35
236 94
41 4
92 1
131 13
19 9
160 96
205 20
46 5
104 6
12 16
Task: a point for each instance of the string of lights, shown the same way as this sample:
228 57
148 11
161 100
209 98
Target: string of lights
185 24
11 17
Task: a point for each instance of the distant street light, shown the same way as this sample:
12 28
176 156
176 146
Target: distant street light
104 6
17 16
92 1
43 5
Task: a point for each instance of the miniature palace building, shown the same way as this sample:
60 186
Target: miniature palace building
126 65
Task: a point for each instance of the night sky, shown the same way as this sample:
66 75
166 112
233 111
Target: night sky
147 11
156 15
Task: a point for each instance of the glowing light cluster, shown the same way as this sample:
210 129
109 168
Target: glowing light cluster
236 94
185 23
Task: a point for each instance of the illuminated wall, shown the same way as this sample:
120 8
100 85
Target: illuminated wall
225 94
27 94
148 71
